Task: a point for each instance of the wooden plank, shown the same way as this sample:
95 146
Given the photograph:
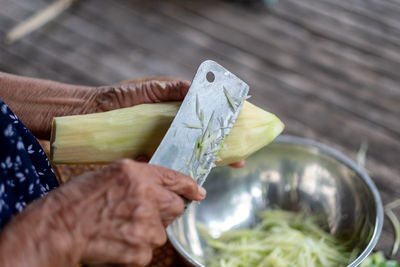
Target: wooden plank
386 118
13 62
383 13
358 26
91 37
305 18
39 51
285 43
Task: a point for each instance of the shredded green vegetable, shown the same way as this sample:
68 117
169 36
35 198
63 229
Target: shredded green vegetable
361 158
230 100
395 223
378 260
193 126
281 239
197 106
362 154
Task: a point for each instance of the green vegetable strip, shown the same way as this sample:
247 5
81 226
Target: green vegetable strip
193 126
230 100
393 204
395 223
396 226
378 260
281 239
197 107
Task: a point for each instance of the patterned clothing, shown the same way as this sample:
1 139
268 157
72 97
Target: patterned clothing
25 171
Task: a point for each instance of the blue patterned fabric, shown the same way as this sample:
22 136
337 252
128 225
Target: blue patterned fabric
25 171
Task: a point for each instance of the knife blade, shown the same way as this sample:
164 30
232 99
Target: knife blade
205 118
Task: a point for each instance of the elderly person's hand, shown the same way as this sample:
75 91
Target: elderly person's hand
37 101
115 215
135 92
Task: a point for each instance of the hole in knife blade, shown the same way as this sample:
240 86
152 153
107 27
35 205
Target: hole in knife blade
210 77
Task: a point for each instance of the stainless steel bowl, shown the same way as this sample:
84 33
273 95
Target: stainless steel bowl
290 173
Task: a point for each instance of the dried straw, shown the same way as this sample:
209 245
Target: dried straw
37 20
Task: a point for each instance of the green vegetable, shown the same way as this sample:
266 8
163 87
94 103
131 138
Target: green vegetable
281 239
361 158
378 260
193 126
230 100
395 223
136 131
362 154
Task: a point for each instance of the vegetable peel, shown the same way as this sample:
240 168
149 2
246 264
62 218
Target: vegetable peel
137 131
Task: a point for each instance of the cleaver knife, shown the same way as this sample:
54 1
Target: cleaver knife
204 119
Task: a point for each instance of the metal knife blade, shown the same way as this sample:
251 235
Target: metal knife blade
204 119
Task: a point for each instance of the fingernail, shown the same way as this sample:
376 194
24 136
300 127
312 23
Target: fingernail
202 191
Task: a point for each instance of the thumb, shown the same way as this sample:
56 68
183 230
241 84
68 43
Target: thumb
160 89
143 92
163 90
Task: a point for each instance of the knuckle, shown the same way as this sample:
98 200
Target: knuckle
106 98
121 170
145 192
145 211
124 164
169 178
139 232
142 206
177 207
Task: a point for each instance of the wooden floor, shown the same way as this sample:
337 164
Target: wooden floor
330 69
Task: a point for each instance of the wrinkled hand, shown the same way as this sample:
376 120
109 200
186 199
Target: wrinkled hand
131 93
138 202
36 101
115 215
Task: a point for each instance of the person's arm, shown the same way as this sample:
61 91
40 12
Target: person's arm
36 238
115 215
37 101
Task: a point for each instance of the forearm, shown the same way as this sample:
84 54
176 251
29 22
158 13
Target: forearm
37 101
35 239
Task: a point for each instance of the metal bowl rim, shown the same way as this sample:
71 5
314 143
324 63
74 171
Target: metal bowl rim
288 139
